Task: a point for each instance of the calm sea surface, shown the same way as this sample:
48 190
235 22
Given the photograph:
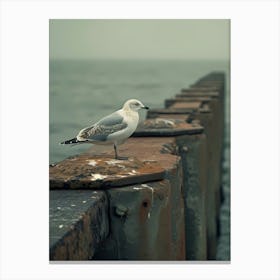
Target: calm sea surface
81 92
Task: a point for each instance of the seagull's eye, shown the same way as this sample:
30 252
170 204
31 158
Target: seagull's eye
136 104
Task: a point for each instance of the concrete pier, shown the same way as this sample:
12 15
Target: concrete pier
162 203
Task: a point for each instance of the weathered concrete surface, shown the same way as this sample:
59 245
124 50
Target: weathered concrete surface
167 127
216 80
150 212
93 172
211 86
210 81
152 113
143 225
206 118
190 104
151 150
147 220
78 223
165 216
191 146
216 104
223 251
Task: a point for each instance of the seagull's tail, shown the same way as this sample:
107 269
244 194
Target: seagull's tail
71 141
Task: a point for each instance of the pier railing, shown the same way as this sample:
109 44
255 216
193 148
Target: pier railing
162 203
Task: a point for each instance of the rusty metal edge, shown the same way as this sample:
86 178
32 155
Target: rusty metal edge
169 132
107 184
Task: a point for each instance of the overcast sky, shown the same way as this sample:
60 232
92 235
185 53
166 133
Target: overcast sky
140 39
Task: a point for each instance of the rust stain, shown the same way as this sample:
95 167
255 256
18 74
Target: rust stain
94 172
185 105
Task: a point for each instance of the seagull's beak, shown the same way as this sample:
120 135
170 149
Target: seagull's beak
145 107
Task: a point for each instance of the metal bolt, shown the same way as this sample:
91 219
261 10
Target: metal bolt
185 149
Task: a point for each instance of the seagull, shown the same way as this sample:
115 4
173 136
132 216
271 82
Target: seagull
112 129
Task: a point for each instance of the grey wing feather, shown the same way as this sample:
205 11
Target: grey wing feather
111 120
103 128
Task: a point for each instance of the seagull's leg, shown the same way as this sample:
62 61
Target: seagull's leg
116 151
116 154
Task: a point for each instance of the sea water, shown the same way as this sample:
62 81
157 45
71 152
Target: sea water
82 92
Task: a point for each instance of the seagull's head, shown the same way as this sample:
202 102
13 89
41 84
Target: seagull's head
134 105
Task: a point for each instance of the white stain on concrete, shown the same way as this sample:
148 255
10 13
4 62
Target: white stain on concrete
133 172
137 188
152 201
97 177
92 162
113 162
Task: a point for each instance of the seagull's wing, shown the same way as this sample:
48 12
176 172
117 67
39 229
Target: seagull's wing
102 129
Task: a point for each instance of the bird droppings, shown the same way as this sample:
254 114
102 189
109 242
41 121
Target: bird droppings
113 161
165 122
58 208
84 201
96 177
137 188
92 162
96 172
132 172
73 205
158 123
60 226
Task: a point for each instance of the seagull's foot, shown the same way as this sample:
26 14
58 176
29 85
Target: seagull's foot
121 158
